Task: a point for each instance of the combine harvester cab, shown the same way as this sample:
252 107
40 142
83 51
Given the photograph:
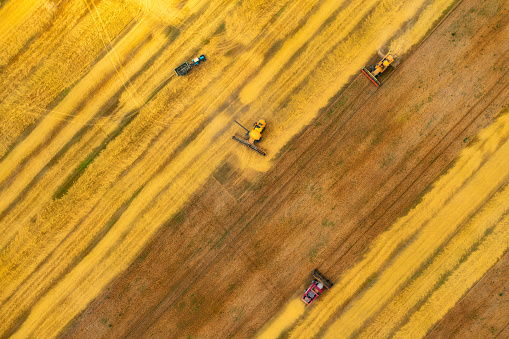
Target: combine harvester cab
253 136
316 287
378 69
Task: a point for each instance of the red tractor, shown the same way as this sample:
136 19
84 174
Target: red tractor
316 287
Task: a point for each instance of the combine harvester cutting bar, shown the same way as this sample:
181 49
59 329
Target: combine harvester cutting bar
319 276
370 76
255 135
248 144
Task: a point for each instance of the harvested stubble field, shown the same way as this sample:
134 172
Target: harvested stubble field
127 211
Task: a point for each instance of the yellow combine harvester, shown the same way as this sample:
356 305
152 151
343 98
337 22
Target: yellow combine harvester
255 135
377 69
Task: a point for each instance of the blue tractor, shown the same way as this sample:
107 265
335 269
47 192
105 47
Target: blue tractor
186 66
199 59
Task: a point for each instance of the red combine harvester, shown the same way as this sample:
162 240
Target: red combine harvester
316 287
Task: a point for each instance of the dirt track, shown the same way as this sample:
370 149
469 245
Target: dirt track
226 266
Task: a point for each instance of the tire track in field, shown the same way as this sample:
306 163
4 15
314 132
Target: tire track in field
495 96
33 31
233 235
253 217
29 98
22 169
133 217
14 247
348 321
36 112
17 88
111 53
480 111
107 109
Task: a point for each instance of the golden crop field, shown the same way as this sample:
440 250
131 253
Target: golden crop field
457 232
101 144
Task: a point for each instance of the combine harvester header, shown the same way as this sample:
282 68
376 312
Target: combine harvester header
253 136
378 69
